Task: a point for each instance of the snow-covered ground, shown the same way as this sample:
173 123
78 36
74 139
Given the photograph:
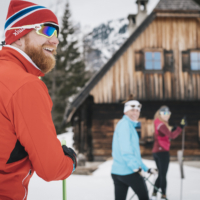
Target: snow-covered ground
99 186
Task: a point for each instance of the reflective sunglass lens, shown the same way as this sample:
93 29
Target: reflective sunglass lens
166 113
48 31
139 106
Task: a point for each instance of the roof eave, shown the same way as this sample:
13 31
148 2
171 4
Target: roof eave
177 13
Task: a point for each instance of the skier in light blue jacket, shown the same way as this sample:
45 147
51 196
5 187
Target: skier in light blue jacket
127 162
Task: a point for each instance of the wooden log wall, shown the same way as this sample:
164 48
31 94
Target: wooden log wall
165 33
102 134
82 123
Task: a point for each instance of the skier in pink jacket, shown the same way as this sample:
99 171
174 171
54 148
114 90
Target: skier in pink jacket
161 147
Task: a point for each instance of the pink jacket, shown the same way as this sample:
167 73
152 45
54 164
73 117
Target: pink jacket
163 136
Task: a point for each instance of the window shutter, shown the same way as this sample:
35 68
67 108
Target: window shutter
186 61
139 61
168 61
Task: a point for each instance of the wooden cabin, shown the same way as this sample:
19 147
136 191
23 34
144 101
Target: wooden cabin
160 64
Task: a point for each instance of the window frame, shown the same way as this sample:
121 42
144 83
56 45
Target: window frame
194 51
162 60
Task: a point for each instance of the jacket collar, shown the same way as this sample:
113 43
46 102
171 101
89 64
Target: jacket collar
128 119
16 55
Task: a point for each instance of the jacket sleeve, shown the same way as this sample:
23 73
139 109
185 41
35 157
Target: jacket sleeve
126 148
30 110
144 167
163 130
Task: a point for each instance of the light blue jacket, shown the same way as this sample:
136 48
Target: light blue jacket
125 148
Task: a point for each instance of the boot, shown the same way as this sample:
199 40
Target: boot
163 197
154 196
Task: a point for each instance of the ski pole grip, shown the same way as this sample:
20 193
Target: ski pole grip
63 142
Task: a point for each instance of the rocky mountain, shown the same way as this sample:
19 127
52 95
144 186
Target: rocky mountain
103 41
97 44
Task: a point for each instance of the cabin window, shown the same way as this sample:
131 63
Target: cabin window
153 60
195 61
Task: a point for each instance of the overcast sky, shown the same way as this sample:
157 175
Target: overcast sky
88 12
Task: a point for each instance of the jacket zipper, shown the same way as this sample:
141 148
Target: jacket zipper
29 173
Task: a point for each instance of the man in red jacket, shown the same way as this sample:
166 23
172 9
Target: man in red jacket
28 140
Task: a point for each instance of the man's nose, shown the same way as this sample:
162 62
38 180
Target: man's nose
54 40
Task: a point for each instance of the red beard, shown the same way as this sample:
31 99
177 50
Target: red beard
44 62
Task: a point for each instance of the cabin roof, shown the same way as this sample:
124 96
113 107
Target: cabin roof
163 5
79 99
177 5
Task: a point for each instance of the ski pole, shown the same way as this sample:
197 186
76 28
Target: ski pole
64 184
153 185
144 179
182 174
150 187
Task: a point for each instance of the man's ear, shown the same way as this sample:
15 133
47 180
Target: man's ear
18 42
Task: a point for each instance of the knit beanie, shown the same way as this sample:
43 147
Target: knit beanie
22 13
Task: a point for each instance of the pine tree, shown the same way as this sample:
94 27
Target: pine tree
69 74
197 1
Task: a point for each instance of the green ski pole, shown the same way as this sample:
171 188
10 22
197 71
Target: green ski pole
64 183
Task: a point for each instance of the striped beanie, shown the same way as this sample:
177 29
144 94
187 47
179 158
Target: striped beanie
22 13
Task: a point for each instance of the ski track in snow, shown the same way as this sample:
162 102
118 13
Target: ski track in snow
99 186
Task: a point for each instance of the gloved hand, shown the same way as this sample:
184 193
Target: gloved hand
137 170
183 122
70 153
174 128
152 171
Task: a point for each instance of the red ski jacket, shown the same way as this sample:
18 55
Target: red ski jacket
163 136
28 140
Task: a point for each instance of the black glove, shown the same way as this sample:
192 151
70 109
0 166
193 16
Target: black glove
183 122
138 170
152 171
70 153
174 128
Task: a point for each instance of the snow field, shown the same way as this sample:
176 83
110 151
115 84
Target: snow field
99 186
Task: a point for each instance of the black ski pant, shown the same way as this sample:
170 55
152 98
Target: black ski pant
162 163
135 181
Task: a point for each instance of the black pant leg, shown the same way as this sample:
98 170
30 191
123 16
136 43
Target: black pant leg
139 186
163 171
163 162
157 183
121 188
137 183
